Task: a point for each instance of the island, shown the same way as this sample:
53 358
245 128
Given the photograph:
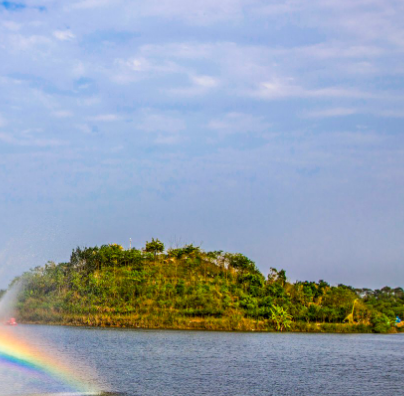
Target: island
189 288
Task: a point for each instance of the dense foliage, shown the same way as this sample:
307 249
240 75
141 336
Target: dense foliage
190 288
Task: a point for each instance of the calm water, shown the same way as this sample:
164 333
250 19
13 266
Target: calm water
176 363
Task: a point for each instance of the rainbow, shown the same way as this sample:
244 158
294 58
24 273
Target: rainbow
18 355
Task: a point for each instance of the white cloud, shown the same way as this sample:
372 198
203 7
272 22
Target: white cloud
19 42
167 139
11 25
27 140
85 129
62 113
78 69
278 89
138 68
185 50
276 9
346 111
205 81
392 113
138 64
239 123
331 112
166 127
63 35
104 117
89 101
3 121
90 4
152 121
200 85
199 12
31 131
332 50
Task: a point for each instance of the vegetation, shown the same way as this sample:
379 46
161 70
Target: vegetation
188 288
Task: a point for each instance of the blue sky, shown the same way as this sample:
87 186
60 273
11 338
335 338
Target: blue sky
272 128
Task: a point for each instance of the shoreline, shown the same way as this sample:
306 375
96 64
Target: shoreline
309 328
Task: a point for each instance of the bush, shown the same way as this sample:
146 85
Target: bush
380 323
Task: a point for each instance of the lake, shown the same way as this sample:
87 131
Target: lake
185 363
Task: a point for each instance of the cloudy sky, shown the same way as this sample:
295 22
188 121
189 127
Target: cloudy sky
272 128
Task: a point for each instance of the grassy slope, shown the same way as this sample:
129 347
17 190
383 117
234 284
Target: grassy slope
163 296
185 289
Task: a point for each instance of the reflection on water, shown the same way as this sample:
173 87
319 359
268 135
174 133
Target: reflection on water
179 363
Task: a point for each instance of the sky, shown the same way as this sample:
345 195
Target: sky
270 128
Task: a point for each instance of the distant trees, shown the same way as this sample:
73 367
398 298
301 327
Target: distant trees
388 301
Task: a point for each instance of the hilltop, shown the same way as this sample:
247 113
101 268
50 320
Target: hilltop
188 288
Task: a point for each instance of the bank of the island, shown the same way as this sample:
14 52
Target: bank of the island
188 288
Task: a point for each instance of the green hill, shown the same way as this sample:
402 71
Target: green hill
187 288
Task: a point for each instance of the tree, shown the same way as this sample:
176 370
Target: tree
281 318
241 263
277 276
155 247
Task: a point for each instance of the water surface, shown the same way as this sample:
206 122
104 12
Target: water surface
181 363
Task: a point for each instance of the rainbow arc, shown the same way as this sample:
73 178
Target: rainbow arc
20 356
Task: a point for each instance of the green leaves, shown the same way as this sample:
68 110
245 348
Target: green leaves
281 318
380 323
155 247
241 263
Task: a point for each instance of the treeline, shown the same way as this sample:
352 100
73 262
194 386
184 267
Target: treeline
189 288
